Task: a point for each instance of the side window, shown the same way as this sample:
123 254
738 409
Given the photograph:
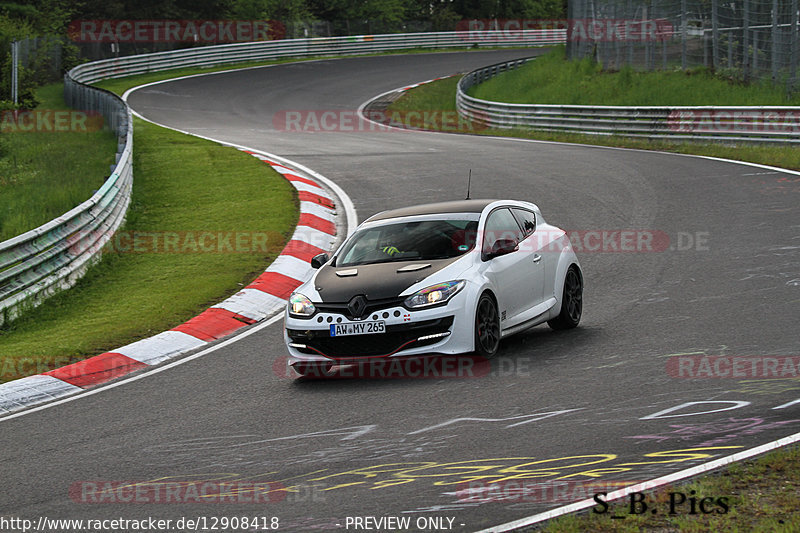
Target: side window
501 224
526 219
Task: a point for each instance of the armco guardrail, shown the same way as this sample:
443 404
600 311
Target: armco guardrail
323 46
53 256
775 124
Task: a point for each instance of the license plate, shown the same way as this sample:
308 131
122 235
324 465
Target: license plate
358 328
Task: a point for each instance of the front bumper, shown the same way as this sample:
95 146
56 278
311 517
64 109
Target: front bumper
445 330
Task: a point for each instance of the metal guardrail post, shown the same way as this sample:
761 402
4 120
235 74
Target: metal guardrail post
774 41
15 72
746 40
684 35
795 47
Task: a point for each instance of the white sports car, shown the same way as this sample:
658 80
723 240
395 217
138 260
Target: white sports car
445 278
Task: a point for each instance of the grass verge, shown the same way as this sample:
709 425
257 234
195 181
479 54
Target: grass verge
44 174
550 79
183 186
763 494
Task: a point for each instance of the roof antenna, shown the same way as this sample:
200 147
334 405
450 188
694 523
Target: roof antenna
469 182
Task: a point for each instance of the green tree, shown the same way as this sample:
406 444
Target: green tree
510 9
440 15
280 10
14 30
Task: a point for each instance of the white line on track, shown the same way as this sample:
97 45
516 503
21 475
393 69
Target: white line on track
647 485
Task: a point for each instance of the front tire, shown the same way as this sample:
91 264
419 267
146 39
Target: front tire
571 301
487 327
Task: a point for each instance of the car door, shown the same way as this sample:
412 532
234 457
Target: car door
533 246
509 272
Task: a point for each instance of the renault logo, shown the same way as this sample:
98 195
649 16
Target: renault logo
357 306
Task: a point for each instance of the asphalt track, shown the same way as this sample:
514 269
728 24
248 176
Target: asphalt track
570 406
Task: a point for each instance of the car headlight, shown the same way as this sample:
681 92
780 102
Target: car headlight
300 306
435 294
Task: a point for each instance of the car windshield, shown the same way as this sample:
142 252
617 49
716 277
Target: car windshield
419 240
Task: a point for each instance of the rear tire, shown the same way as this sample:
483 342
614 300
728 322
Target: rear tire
487 327
571 301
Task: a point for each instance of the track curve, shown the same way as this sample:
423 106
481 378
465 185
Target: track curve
575 406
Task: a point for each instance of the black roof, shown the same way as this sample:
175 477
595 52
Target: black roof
459 206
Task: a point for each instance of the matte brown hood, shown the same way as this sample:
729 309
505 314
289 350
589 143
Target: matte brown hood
377 281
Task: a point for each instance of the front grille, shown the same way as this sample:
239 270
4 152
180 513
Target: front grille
372 306
397 338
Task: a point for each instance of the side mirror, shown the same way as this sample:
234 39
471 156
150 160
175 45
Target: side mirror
503 247
318 260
